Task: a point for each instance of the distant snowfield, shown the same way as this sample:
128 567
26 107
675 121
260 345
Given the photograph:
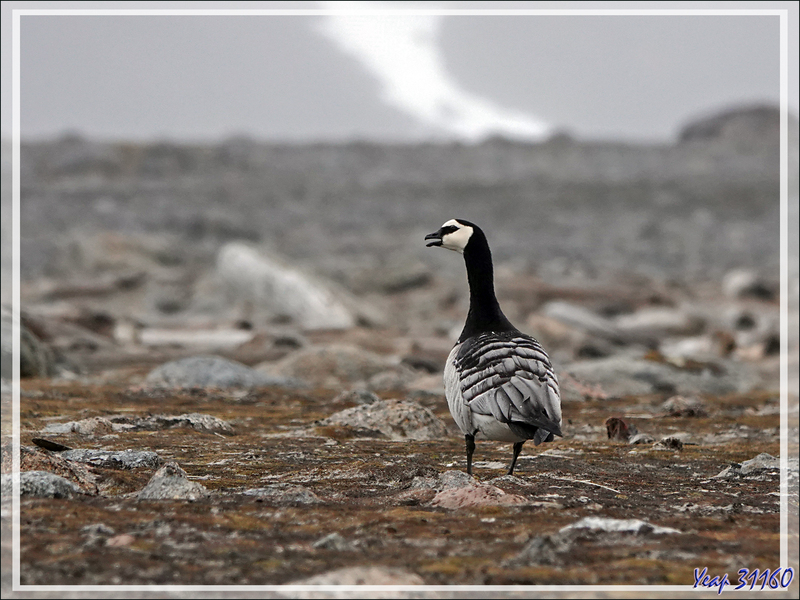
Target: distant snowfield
401 51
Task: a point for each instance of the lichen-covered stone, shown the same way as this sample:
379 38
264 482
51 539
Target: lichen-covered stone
41 484
171 483
396 419
282 493
332 365
210 371
112 459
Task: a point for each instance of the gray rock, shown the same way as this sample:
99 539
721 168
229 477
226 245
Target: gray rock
42 484
117 423
659 322
284 493
543 550
682 406
745 283
169 291
254 278
761 462
36 358
555 549
573 390
111 459
210 371
397 275
396 378
332 366
88 427
622 376
6 487
170 483
97 529
396 419
583 319
641 438
701 347
756 466
634 526
729 472
669 443
197 421
356 397
455 479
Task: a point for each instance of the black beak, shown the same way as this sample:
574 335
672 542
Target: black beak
435 239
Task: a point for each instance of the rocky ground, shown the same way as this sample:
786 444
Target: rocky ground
232 359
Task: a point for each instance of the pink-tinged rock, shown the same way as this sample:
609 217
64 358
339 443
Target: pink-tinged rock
124 539
475 495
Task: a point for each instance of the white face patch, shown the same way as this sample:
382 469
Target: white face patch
457 240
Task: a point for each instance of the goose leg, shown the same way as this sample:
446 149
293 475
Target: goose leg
517 450
470 439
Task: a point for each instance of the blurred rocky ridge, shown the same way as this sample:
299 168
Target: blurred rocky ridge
659 260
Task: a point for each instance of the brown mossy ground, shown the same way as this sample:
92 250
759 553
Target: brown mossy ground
363 483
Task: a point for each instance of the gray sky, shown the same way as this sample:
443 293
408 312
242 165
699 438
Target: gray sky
272 77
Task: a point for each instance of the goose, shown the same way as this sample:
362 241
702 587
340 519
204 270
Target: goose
498 381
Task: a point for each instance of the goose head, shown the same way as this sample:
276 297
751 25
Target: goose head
453 235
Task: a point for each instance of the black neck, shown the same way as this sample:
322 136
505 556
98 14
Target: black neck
484 310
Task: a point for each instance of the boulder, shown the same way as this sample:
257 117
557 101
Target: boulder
334 365
43 484
623 376
745 283
263 282
475 495
283 493
210 371
582 319
36 359
171 483
657 322
115 459
396 419
557 548
86 427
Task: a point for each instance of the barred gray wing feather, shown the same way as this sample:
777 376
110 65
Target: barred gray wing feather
510 377
452 390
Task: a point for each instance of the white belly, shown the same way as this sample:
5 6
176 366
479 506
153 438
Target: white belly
492 429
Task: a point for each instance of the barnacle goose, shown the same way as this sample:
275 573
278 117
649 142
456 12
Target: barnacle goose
498 381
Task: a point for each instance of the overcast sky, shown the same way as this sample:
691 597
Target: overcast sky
402 77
